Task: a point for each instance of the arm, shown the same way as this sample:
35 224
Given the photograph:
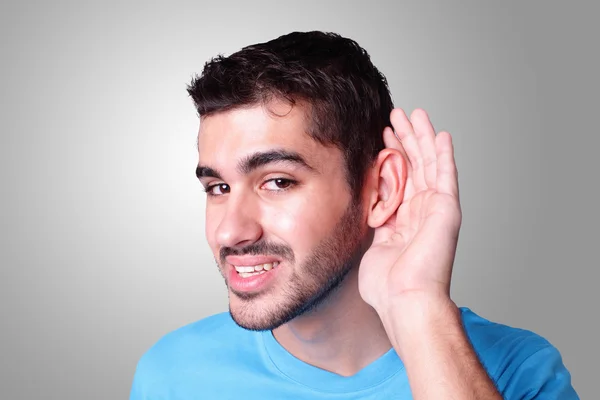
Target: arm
405 275
440 362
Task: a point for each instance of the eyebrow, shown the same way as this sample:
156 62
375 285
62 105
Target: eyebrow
257 160
206 172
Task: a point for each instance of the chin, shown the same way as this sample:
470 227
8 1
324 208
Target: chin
264 311
256 314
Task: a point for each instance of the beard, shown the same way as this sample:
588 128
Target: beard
310 285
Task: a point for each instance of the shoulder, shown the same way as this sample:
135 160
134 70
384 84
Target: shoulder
194 349
520 362
195 336
489 337
192 340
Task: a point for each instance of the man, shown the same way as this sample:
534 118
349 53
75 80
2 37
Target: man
336 236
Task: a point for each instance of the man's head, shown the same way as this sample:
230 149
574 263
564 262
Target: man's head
289 132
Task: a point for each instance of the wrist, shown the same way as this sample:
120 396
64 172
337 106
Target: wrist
420 320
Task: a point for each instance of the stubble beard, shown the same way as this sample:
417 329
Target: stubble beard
310 285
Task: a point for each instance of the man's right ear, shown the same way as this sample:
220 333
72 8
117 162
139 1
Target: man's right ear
388 176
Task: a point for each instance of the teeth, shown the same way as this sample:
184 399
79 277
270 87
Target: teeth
246 274
249 270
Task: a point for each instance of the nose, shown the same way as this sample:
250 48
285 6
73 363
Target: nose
239 226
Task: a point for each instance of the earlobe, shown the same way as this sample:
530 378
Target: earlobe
389 181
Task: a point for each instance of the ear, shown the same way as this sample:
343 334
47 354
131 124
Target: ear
387 186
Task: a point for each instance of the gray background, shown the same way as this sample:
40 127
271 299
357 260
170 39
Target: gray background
102 243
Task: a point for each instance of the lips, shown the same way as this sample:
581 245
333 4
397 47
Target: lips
252 275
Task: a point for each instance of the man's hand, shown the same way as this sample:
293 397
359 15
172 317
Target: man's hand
405 275
413 252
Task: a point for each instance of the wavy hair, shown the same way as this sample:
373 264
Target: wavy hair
348 99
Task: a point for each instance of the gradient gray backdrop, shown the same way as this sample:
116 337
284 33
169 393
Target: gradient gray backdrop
102 240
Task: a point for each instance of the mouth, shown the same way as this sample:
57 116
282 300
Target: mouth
252 273
247 271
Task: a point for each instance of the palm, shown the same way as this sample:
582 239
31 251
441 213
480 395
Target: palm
414 250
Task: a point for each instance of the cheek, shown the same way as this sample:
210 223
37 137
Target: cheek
281 224
211 222
302 225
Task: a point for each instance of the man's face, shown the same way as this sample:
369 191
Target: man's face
280 219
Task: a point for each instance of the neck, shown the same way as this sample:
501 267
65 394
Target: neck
342 335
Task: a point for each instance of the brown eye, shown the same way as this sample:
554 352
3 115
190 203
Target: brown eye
283 183
278 184
218 190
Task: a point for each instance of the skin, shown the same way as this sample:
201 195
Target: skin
254 212
396 261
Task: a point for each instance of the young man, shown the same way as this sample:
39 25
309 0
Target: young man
336 236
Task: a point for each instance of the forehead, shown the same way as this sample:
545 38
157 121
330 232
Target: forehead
235 133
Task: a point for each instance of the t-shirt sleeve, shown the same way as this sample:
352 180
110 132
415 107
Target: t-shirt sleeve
137 388
148 379
136 392
542 376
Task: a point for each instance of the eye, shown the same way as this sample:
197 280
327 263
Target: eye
217 190
279 184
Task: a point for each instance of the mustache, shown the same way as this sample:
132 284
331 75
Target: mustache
258 248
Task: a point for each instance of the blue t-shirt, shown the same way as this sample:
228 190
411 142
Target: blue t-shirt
215 359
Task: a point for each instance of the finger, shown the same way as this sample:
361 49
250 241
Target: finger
447 174
404 132
426 138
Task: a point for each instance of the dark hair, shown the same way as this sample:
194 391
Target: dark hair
348 99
